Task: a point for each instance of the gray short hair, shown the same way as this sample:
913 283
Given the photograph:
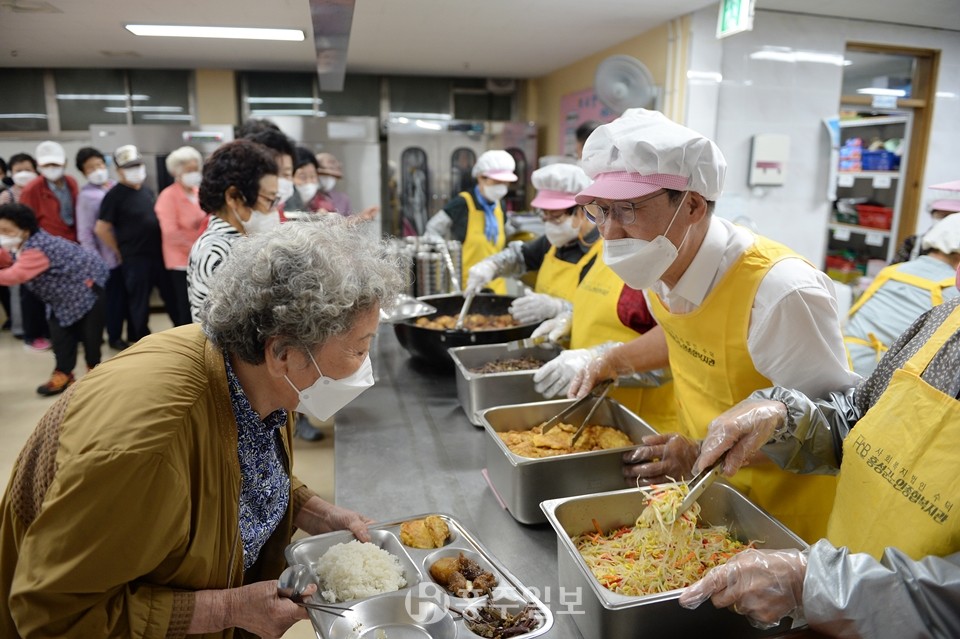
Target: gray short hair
302 283
181 156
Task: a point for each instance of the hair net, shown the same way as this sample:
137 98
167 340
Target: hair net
944 236
557 186
496 165
643 151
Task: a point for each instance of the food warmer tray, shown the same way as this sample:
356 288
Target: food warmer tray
608 614
421 608
479 391
523 482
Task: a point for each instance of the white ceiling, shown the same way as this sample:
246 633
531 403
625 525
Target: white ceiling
501 38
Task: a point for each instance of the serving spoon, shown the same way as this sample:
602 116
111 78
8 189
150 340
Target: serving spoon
294 580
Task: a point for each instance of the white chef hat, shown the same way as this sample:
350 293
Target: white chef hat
496 165
557 186
643 151
944 236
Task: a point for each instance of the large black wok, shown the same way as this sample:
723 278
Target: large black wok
431 345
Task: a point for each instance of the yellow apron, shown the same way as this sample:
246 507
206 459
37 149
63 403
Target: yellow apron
561 279
595 321
476 246
893 273
898 479
713 371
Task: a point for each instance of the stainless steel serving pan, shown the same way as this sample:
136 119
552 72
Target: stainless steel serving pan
431 345
479 391
422 608
608 614
523 482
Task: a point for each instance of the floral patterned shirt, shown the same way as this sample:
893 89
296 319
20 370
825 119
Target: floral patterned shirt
264 484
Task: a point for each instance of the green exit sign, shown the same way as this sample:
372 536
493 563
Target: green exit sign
735 16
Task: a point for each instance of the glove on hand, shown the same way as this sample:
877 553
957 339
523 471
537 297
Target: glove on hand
556 328
536 307
479 275
740 432
764 585
553 378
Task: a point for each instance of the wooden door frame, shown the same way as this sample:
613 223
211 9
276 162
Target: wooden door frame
921 102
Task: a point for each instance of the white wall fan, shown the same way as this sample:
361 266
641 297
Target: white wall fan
623 82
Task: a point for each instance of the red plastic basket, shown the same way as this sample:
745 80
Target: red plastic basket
875 217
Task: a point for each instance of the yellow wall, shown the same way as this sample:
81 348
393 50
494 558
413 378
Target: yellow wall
542 99
216 96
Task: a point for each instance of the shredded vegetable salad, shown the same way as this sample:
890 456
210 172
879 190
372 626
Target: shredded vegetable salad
661 552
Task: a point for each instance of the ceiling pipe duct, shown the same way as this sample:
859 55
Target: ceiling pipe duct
332 20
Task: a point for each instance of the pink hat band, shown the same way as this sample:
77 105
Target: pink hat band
501 175
624 185
553 200
946 205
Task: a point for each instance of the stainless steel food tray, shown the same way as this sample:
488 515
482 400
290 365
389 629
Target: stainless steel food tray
608 614
478 392
421 609
523 482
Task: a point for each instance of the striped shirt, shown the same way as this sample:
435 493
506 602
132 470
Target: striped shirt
206 256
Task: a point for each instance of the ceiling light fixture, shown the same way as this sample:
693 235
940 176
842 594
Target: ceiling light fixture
897 93
237 33
782 54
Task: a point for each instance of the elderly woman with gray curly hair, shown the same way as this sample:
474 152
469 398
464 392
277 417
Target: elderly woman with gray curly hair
155 498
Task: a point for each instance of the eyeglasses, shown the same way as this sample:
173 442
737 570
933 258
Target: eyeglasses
554 217
624 212
274 203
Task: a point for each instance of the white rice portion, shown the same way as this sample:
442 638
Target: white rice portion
356 570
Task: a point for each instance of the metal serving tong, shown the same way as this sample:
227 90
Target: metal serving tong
597 394
700 483
293 580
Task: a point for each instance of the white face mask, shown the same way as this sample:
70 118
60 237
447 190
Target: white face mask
494 192
191 179
307 191
284 189
326 396
259 222
22 178
52 173
135 175
327 182
640 263
10 242
98 177
563 233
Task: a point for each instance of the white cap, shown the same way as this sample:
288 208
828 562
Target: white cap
50 152
944 236
644 151
557 186
496 165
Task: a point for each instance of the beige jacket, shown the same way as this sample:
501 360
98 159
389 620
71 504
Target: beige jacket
124 501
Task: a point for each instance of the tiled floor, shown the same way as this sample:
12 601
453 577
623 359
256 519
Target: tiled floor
21 371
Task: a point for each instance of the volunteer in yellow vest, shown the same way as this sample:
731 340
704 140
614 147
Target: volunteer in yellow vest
890 563
735 312
607 313
901 293
476 218
562 256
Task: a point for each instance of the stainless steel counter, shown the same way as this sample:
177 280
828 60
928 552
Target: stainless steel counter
406 447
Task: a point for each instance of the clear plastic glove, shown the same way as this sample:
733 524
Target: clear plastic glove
740 432
610 365
556 328
553 378
479 275
662 458
763 585
536 307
